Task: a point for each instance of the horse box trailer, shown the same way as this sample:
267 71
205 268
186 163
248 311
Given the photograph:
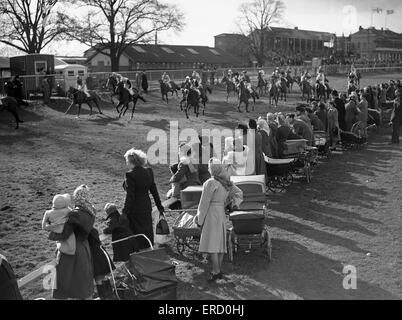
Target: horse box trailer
66 75
31 68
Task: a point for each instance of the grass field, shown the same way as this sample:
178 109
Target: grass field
351 208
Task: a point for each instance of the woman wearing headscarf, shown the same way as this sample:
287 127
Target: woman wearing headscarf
74 273
269 143
217 193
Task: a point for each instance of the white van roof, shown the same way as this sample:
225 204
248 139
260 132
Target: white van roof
70 66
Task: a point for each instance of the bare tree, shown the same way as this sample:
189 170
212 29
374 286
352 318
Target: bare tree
114 25
29 25
256 18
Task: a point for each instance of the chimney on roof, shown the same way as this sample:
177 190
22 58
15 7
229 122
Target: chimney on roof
360 28
296 28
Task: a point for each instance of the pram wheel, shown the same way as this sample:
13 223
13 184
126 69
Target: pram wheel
276 184
287 180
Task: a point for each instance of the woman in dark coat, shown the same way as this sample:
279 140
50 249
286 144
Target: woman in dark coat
138 184
74 273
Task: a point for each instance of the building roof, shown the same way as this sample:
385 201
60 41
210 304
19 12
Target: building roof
174 54
385 34
4 63
302 34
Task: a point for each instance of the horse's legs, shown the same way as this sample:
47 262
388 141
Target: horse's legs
90 107
17 118
97 105
117 107
79 110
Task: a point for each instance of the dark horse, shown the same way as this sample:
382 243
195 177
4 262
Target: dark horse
124 100
274 92
165 89
204 90
112 84
321 91
10 104
283 84
191 98
244 96
305 88
352 87
230 87
80 97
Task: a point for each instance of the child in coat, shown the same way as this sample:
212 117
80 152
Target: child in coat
54 220
119 228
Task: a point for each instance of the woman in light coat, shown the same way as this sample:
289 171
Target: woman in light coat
217 193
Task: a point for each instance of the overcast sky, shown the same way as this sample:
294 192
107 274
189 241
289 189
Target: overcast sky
207 18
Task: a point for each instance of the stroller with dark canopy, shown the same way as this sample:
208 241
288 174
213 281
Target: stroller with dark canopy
354 139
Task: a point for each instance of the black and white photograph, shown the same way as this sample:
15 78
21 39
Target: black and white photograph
200 154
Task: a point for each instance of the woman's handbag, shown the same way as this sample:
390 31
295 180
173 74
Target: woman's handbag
162 228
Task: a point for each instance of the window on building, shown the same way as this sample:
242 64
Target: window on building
101 63
40 67
81 73
215 52
168 50
139 49
70 73
192 51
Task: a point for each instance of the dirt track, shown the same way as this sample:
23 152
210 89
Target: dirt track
351 208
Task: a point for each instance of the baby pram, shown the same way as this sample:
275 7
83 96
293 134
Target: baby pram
186 233
148 275
249 228
355 138
279 172
321 142
303 155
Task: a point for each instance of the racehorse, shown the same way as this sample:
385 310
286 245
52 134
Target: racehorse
80 97
112 83
321 91
124 100
244 96
230 87
10 104
274 92
165 89
204 90
351 87
290 82
305 88
284 88
191 98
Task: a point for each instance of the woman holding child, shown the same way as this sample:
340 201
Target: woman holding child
74 272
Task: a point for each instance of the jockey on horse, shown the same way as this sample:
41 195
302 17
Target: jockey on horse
247 81
166 80
306 76
82 86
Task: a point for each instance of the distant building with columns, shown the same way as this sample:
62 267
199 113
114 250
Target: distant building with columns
376 44
281 42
